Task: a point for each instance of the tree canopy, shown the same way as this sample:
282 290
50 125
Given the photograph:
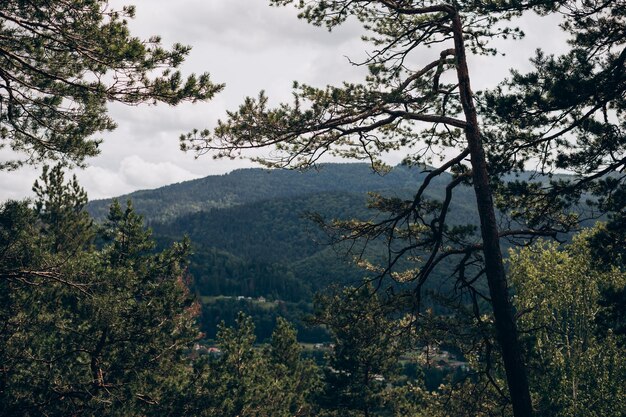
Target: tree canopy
95 320
84 329
559 297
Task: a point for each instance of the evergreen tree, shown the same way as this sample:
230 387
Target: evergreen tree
566 114
365 120
294 380
61 62
246 380
363 368
61 208
85 330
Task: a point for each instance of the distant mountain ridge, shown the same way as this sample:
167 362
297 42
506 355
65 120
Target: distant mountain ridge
248 185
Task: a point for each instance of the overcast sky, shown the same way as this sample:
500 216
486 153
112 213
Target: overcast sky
249 46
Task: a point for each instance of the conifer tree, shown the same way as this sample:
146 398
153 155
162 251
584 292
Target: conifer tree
566 114
381 115
247 380
295 380
363 365
88 330
61 62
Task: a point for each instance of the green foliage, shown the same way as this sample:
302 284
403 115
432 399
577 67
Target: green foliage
263 241
567 113
558 294
297 379
60 207
220 273
265 316
424 108
108 329
247 186
121 315
246 380
363 370
577 364
612 315
63 61
88 331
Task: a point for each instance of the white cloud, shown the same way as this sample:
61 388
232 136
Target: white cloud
249 46
134 173
102 183
17 185
142 174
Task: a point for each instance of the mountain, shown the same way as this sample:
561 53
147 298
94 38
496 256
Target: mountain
252 238
244 186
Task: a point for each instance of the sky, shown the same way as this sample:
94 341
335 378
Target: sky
249 46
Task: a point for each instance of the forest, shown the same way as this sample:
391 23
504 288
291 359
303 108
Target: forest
484 275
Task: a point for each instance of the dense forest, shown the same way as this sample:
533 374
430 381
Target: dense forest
265 243
483 276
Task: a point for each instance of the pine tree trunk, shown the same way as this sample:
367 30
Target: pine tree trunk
506 331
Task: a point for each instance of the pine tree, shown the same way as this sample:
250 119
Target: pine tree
295 380
363 364
566 114
247 380
88 330
61 62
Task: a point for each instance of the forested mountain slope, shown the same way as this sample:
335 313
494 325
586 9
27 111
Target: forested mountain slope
251 236
254 184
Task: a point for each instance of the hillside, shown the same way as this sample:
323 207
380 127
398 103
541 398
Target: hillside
254 184
251 236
